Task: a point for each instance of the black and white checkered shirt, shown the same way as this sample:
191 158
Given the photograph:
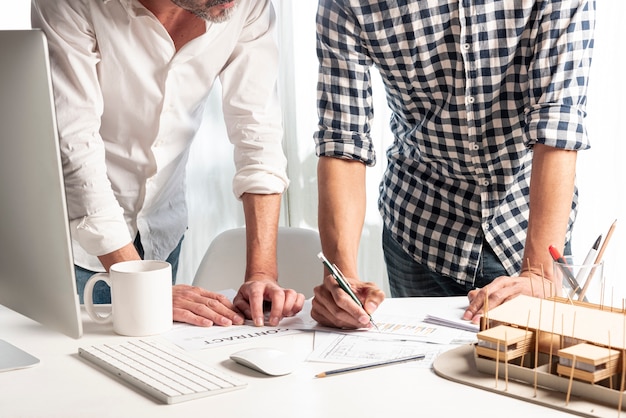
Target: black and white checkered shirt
472 85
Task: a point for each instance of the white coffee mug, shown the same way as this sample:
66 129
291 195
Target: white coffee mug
141 297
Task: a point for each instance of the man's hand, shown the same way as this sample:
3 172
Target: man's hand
505 288
256 293
197 306
335 308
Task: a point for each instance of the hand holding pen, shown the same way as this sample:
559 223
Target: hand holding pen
343 283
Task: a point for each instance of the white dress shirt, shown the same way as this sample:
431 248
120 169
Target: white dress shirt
128 106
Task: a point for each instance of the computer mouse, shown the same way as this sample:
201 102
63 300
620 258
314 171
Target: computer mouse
269 361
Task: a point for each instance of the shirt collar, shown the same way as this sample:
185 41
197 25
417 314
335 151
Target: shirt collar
132 7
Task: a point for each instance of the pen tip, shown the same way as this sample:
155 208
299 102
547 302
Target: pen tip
597 243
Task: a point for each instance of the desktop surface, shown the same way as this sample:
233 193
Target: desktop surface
64 385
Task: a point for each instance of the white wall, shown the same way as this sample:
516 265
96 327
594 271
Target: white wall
15 14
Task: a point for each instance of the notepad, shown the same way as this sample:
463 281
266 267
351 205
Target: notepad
451 322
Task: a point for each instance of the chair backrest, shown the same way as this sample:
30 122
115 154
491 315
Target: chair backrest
224 263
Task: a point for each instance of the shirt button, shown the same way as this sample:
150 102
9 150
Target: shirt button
470 99
485 182
466 47
474 146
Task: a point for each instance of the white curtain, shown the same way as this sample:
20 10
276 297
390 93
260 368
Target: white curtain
213 208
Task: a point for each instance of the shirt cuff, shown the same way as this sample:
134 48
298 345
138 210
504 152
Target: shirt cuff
259 180
99 234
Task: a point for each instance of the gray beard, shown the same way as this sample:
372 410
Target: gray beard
202 13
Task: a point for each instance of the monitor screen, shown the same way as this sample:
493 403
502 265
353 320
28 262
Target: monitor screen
36 265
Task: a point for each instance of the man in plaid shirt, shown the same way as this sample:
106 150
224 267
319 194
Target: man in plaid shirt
488 104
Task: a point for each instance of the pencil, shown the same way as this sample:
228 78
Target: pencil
598 259
370 365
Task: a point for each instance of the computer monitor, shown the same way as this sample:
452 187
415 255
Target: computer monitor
36 265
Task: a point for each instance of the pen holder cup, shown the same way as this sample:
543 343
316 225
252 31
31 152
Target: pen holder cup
581 282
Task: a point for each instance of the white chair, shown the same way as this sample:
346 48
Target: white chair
224 263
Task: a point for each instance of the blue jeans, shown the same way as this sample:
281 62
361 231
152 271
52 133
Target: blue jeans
408 278
101 291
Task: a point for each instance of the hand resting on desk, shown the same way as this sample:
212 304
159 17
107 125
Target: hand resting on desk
197 306
505 288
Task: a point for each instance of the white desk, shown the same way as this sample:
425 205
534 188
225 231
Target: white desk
63 385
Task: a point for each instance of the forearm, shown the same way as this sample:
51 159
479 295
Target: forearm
341 210
261 215
126 253
551 191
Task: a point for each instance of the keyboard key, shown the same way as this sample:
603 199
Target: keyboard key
169 375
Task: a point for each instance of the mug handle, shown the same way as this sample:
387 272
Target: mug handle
88 299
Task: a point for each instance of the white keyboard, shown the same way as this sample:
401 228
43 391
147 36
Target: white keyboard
168 375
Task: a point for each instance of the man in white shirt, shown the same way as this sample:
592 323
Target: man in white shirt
131 78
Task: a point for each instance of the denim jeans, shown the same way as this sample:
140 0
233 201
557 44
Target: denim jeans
101 291
408 278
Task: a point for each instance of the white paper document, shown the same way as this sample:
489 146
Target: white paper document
392 324
190 337
367 348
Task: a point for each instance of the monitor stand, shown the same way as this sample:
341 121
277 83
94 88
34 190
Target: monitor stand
12 358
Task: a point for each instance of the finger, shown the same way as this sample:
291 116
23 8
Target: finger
327 311
200 295
373 297
188 317
472 294
346 305
214 307
215 310
241 304
337 318
277 298
212 310
255 300
475 305
294 302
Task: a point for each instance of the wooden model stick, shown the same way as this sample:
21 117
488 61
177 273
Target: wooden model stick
610 377
486 314
621 386
523 354
537 347
571 376
571 379
506 363
497 361
532 291
552 335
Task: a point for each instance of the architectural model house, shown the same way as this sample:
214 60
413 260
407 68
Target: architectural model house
572 347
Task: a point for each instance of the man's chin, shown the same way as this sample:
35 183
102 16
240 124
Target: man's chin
222 12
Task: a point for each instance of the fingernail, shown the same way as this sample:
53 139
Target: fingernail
226 321
467 315
237 320
258 322
274 320
364 319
